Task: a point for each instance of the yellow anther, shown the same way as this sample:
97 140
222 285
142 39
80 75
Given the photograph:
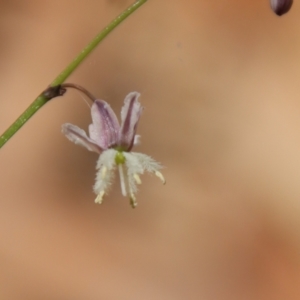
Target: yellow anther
160 176
137 178
99 198
133 202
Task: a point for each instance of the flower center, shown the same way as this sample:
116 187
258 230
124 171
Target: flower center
120 158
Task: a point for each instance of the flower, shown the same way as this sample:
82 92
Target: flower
281 7
114 143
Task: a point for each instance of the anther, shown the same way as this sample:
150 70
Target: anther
160 176
137 178
99 198
133 202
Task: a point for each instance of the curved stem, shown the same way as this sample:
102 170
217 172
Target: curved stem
79 88
42 99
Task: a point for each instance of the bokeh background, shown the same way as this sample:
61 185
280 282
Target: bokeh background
220 86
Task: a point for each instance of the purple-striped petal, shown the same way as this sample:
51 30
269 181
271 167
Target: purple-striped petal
105 128
130 114
79 137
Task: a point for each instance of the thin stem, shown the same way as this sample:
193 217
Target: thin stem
43 98
79 88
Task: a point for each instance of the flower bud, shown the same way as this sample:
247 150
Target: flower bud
281 7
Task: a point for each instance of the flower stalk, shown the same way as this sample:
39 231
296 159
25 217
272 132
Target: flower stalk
43 98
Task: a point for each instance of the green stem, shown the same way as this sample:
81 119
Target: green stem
42 98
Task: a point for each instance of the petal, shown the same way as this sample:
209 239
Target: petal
79 137
137 139
105 128
130 114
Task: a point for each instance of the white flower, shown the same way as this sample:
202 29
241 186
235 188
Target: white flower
114 143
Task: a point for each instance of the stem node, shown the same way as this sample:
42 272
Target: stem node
53 91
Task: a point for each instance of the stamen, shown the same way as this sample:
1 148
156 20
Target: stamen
137 178
103 172
99 198
133 202
122 180
160 176
132 198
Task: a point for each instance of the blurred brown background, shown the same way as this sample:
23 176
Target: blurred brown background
220 87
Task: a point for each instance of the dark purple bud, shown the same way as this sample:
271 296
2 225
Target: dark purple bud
281 7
